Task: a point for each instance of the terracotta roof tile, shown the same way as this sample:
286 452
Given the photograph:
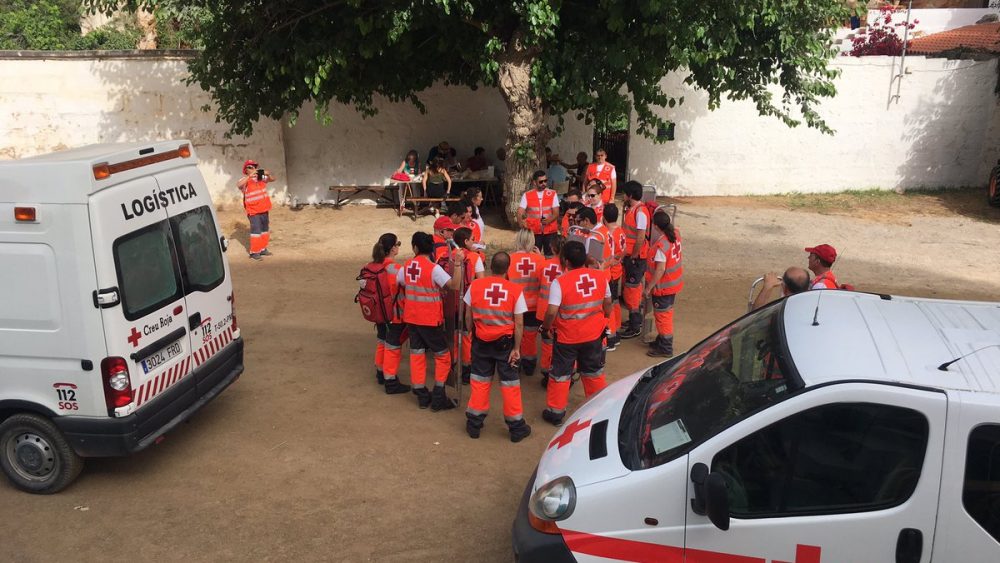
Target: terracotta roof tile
983 37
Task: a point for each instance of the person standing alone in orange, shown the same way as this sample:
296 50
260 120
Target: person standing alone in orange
495 310
257 203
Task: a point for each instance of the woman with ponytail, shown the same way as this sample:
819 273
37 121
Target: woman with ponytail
390 334
664 280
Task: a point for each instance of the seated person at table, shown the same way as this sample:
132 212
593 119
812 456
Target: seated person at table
500 168
478 160
557 173
436 181
442 150
410 165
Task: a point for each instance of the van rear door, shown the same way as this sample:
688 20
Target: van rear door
140 293
204 271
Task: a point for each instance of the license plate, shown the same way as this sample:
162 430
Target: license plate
161 357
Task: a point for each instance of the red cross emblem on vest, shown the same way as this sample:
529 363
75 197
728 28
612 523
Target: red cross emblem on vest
567 435
526 267
586 285
551 273
413 272
621 239
496 294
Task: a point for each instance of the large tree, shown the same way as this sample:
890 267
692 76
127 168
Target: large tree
548 58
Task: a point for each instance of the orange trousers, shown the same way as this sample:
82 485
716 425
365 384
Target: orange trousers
663 314
391 351
529 343
557 391
546 354
479 400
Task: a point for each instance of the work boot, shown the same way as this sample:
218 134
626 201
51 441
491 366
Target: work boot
266 252
466 374
474 424
528 367
255 256
440 400
613 342
394 387
423 397
380 376
552 418
519 430
634 326
662 347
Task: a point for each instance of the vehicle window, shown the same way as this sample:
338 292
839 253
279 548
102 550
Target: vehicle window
147 275
981 491
199 250
844 457
733 373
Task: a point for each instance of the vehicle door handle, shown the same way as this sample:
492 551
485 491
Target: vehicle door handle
909 545
194 321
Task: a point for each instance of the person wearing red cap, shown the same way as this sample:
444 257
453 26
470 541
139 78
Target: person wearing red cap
444 230
257 203
821 259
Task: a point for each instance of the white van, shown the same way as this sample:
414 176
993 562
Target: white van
116 305
831 426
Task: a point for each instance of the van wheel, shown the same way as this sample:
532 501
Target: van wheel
35 456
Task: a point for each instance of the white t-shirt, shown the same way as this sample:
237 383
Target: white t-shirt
481 223
555 292
479 265
641 219
441 277
524 201
520 307
660 256
614 173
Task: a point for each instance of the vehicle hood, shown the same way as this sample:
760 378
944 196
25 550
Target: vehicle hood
580 448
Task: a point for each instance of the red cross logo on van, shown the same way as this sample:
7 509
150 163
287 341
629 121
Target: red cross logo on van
496 295
413 272
566 437
133 338
526 267
586 285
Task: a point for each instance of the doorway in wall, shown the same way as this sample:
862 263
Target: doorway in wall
612 135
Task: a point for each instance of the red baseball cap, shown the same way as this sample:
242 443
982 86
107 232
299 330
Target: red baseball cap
826 252
249 163
444 223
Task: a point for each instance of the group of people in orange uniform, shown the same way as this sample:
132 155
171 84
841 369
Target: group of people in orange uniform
560 282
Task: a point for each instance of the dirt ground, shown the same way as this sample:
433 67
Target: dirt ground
305 458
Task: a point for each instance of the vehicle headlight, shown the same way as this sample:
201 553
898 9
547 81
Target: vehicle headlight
555 500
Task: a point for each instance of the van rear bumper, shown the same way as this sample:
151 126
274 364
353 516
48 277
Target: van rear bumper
107 437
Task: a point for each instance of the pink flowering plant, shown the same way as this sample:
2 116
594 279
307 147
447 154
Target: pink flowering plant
883 35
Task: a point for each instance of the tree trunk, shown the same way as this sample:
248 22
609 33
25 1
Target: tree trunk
147 23
527 126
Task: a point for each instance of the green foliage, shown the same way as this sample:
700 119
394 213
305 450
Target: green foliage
109 38
180 25
596 58
39 24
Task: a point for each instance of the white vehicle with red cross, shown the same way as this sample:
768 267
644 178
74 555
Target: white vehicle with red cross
116 305
831 426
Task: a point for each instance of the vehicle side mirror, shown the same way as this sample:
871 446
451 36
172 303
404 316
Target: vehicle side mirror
224 243
710 496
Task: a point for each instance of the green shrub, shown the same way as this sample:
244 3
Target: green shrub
39 24
109 38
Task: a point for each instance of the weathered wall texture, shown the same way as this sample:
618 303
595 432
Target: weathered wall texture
48 105
938 134
942 131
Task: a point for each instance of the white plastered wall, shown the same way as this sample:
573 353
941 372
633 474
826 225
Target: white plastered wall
54 104
940 133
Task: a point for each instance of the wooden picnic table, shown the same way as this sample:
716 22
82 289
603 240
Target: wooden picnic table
408 189
389 195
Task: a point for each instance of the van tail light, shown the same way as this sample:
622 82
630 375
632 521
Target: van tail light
232 301
184 151
117 384
25 214
102 171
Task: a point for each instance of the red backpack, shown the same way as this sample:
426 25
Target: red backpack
375 296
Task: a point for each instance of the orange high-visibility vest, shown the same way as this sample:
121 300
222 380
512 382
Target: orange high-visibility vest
826 279
477 233
604 176
492 301
522 269
631 229
441 249
581 314
672 280
617 240
604 238
391 267
539 205
421 297
565 225
255 198
550 270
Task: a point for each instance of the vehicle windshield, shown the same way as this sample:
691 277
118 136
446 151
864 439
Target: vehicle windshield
736 371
